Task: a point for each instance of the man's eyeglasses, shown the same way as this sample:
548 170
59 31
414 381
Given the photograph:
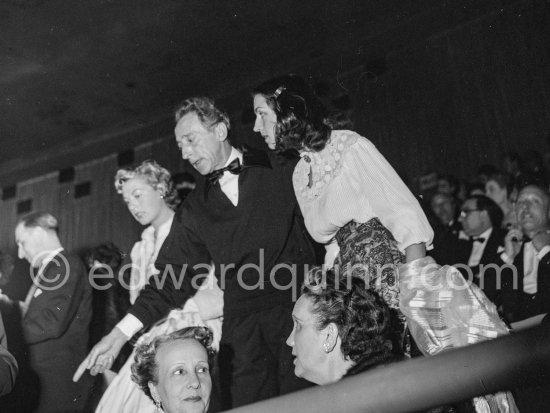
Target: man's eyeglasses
465 212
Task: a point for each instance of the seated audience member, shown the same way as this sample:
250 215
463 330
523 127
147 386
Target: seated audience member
533 165
446 229
8 365
511 164
448 184
500 188
174 370
340 329
481 221
484 172
528 247
475 188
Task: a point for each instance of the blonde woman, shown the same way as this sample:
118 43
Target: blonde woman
148 192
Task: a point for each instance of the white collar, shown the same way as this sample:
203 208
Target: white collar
235 153
48 258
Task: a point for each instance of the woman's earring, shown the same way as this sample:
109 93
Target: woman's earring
158 406
326 347
162 197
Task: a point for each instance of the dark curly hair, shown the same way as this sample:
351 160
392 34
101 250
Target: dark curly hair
107 253
363 319
145 368
484 203
302 119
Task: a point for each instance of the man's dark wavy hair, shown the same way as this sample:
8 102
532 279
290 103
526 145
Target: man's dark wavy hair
363 319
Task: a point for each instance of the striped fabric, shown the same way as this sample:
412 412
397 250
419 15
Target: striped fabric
444 311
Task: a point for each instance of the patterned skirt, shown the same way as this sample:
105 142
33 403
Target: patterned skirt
369 251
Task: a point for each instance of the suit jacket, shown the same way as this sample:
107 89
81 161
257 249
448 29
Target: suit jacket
447 247
56 329
521 305
490 275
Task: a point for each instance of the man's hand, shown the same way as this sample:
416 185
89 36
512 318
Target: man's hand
103 354
512 242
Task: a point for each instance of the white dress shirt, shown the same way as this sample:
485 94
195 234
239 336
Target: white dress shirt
531 260
229 182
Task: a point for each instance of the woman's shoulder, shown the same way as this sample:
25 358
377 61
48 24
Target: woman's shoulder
318 169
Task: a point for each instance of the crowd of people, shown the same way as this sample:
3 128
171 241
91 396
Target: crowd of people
208 317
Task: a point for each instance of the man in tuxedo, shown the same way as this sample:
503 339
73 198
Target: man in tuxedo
244 218
56 313
528 247
481 219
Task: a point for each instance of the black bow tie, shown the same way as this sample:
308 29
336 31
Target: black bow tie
477 239
234 167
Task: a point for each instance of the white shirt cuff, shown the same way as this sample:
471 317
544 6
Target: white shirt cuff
504 257
544 250
129 325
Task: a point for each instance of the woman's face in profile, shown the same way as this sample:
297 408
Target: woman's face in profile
144 202
307 344
184 382
266 121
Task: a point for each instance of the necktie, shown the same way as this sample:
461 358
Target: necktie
234 167
477 239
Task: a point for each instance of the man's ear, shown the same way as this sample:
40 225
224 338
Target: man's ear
221 131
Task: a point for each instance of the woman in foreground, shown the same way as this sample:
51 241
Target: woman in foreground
174 370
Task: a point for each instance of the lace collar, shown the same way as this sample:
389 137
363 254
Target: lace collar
317 169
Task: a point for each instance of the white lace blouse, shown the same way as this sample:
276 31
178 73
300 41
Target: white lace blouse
351 180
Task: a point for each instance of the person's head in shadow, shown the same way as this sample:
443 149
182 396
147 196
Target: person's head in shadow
184 183
105 258
340 328
174 370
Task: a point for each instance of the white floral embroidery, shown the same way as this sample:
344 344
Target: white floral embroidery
324 165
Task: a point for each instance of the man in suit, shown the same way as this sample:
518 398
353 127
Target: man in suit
245 219
481 219
528 247
56 313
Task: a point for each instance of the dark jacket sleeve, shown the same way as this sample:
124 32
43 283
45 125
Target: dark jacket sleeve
8 365
56 300
181 262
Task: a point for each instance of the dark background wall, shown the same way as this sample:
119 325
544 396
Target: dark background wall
444 95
